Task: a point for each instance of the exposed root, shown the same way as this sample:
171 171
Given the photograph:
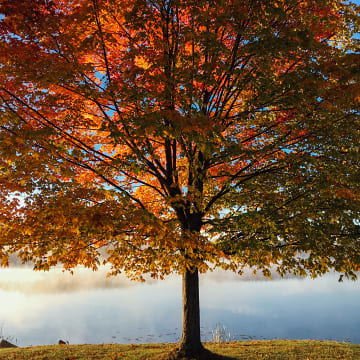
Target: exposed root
183 354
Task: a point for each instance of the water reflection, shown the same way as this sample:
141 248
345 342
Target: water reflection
41 308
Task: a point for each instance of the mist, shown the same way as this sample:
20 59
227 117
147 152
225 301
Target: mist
21 278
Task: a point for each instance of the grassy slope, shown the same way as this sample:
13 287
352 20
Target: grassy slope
275 349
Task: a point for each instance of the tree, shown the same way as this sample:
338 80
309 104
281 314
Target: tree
165 136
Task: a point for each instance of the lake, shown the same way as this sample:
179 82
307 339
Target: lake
41 308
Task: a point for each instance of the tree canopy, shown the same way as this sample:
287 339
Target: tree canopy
180 134
165 136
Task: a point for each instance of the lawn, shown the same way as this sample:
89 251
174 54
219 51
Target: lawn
274 349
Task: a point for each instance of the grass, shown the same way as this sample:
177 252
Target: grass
272 349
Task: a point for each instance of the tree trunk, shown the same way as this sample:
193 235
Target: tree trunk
190 346
190 343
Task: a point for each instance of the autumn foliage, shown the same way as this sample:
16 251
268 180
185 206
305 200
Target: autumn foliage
178 136
160 136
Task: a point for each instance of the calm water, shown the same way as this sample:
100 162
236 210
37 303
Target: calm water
41 308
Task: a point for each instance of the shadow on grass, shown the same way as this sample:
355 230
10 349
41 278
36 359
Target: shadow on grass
204 355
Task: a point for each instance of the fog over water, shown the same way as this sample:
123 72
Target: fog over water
41 308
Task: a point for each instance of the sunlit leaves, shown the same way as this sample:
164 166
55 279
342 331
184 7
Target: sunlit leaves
164 136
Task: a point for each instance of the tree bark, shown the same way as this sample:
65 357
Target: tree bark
190 346
190 343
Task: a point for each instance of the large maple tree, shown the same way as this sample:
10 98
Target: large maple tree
165 136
